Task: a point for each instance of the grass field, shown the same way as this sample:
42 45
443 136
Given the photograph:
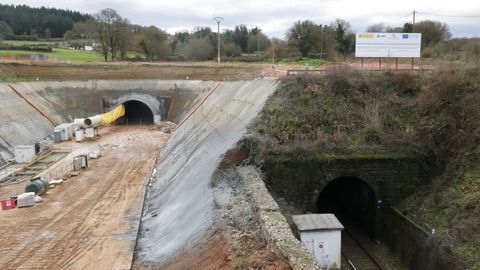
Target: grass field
59 54
12 72
26 42
299 61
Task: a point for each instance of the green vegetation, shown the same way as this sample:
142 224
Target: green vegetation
59 54
360 114
39 22
301 61
116 38
29 43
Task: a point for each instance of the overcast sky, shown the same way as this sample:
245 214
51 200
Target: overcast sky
276 16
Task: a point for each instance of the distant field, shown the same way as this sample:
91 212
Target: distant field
26 42
299 61
10 72
60 55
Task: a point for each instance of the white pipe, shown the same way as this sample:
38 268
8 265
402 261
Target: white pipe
93 121
80 122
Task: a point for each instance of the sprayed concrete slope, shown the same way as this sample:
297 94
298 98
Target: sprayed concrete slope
20 123
180 207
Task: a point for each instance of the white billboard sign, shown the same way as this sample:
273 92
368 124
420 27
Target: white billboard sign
388 44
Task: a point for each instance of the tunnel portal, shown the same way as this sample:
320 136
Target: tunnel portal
352 200
137 113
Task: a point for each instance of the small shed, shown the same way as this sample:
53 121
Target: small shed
25 153
322 235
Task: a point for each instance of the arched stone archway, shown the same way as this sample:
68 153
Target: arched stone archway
149 101
352 200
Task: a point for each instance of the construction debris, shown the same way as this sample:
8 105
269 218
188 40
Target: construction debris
26 199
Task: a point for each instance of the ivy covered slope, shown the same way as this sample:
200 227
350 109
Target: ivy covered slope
350 112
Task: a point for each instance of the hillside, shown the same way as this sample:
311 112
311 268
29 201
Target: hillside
350 112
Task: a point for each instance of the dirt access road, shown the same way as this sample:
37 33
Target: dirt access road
90 221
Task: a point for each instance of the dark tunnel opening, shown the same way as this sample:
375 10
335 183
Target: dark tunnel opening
353 201
136 113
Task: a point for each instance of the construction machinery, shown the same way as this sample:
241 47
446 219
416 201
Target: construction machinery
87 128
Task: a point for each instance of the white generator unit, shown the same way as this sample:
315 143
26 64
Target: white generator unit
91 133
79 135
25 153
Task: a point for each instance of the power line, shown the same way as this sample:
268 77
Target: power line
449 16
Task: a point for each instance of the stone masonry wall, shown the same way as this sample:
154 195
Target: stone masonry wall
275 226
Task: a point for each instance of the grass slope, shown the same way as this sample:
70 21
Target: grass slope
353 112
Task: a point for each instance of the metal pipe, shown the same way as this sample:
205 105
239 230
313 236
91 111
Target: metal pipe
80 122
93 121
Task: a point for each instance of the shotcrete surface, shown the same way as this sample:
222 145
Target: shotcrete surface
20 123
180 206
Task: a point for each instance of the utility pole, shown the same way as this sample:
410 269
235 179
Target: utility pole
412 65
321 41
413 22
218 20
258 43
273 53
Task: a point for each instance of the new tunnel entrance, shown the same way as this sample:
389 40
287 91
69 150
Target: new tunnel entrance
353 201
137 113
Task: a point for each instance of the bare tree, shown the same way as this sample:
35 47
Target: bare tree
199 49
112 33
152 42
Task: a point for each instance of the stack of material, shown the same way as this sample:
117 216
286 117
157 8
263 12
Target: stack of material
26 199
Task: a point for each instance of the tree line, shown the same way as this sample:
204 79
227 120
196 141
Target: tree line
305 38
22 20
117 39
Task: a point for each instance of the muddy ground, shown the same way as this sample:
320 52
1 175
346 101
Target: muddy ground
91 220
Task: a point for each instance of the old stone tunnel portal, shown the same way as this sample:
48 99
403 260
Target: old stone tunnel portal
361 191
352 200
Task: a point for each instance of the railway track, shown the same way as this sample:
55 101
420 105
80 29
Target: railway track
355 256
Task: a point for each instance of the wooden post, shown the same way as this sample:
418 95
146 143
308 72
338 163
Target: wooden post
412 63
396 63
380 63
362 62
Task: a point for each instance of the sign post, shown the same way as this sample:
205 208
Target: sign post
383 45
